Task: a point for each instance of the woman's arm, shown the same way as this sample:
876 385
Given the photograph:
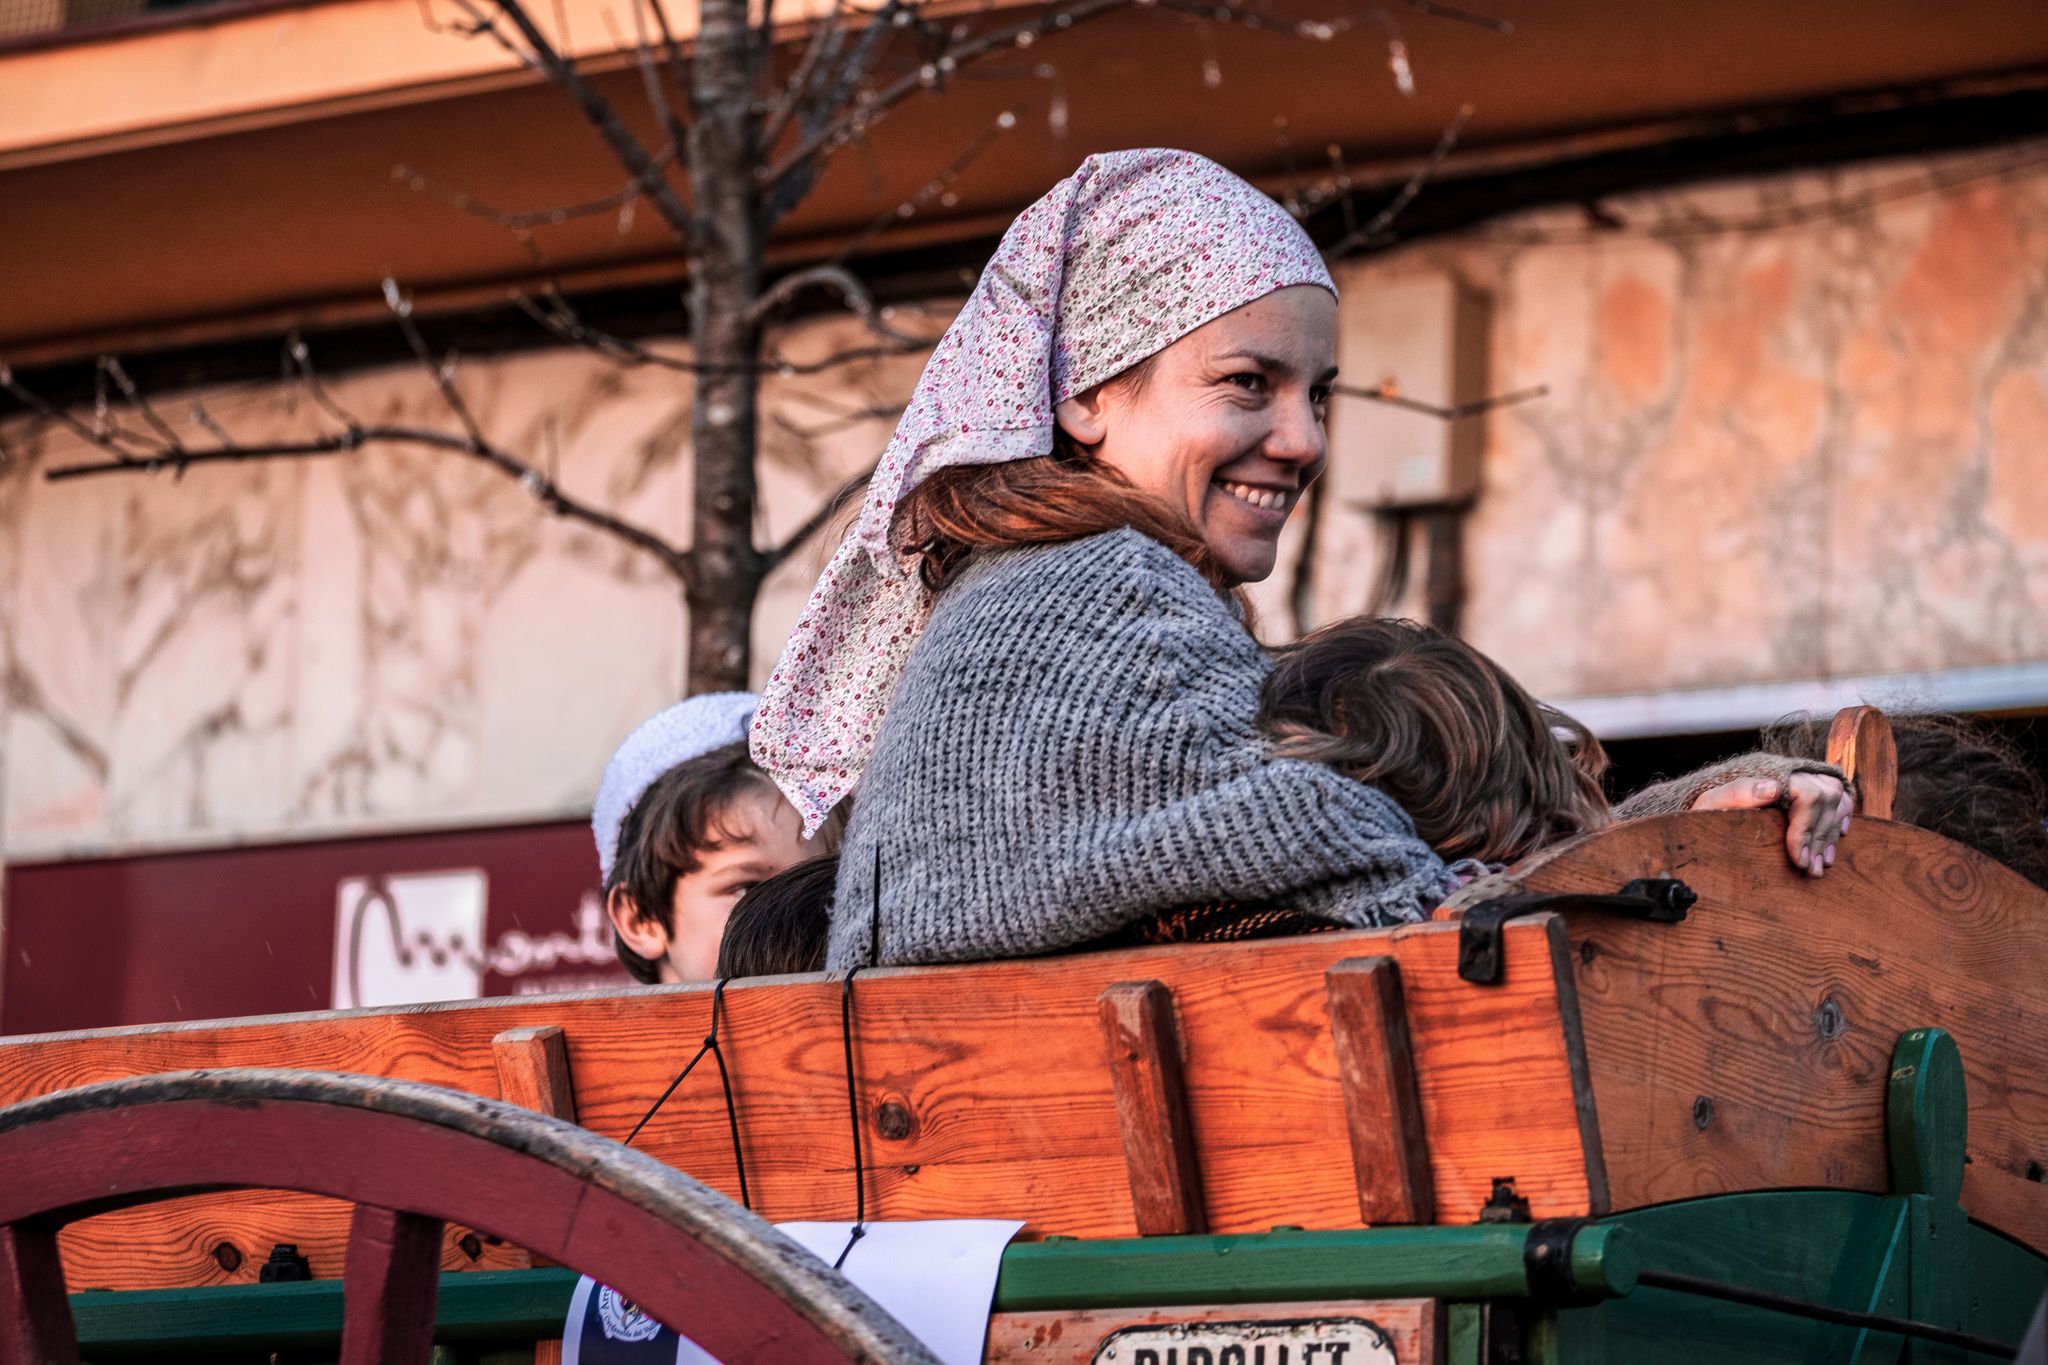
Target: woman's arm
1073 748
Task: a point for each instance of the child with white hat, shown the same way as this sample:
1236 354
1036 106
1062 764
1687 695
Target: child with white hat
685 823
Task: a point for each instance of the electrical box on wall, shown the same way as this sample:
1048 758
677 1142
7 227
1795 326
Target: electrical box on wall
1420 337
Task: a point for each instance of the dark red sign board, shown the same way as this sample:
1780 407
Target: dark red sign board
280 928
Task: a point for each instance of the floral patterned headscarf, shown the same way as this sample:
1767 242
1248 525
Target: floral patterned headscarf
1123 258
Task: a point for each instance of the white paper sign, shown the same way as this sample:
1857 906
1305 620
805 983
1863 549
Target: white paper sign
937 1278
407 940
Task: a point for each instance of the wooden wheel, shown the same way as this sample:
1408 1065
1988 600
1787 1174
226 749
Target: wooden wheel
411 1157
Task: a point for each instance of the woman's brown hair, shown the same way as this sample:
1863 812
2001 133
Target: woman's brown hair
1476 761
1066 495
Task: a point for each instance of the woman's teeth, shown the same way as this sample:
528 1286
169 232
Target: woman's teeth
1272 499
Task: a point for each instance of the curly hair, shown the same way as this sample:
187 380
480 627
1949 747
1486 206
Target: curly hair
1485 770
1957 777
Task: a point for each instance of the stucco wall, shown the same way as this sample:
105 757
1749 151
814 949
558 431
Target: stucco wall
1798 432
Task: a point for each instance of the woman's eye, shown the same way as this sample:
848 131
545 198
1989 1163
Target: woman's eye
1319 397
1250 381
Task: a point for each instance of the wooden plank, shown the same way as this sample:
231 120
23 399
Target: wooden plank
35 1312
1748 1047
533 1070
1143 1044
1476 1048
1389 1144
1413 1327
389 1287
1860 743
983 1089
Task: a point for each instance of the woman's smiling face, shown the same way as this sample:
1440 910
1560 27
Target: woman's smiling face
1226 424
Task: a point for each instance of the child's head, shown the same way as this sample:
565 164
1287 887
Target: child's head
781 925
1958 778
684 824
1484 769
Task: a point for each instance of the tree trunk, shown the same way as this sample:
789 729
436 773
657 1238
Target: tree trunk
724 284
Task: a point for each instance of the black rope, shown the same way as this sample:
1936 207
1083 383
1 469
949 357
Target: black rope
1820 1312
860 1187
732 1111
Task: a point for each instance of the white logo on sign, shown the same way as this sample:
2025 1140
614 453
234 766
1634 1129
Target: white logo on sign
409 939
622 1319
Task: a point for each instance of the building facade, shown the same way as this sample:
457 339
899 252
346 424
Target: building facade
1772 440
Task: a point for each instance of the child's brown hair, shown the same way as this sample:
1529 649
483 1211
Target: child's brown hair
781 925
1476 761
680 817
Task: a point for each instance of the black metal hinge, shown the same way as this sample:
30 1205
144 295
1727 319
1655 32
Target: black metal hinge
1660 900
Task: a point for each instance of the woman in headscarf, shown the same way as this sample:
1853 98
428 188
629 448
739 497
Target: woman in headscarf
1031 652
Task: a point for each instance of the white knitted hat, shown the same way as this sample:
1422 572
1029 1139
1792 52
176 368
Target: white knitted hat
687 730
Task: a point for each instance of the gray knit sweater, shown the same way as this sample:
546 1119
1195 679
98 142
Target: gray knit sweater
1072 748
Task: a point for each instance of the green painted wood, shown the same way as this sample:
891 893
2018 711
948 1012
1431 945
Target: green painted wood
498 1305
1392 1262
1443 1262
1850 1250
1461 1334
1927 1111
1845 1249
1926 1115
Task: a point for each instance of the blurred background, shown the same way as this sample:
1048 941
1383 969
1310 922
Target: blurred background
404 398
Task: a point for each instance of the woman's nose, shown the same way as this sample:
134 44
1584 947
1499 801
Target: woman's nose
1297 437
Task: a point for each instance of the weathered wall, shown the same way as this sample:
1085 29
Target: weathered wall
385 640
1800 432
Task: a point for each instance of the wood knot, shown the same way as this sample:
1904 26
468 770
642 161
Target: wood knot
1828 1021
1588 950
2035 1173
892 1121
227 1256
1702 1113
470 1246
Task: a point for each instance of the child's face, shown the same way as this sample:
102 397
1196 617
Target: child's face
764 835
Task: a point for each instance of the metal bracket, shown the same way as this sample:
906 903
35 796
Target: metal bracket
1660 900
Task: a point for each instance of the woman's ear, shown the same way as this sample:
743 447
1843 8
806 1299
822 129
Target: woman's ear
1083 417
642 933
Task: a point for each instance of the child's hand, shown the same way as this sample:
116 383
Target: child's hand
1820 806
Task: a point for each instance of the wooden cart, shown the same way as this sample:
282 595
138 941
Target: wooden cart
1574 1119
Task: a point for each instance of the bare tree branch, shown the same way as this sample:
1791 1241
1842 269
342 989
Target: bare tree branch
824 44
671 126
938 186
1390 396
774 557
839 280
562 73
109 441
442 372
872 105
111 366
176 455
560 317
1374 231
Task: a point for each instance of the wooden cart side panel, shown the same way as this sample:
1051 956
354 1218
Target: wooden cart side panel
1504 1060
984 1091
1747 1048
